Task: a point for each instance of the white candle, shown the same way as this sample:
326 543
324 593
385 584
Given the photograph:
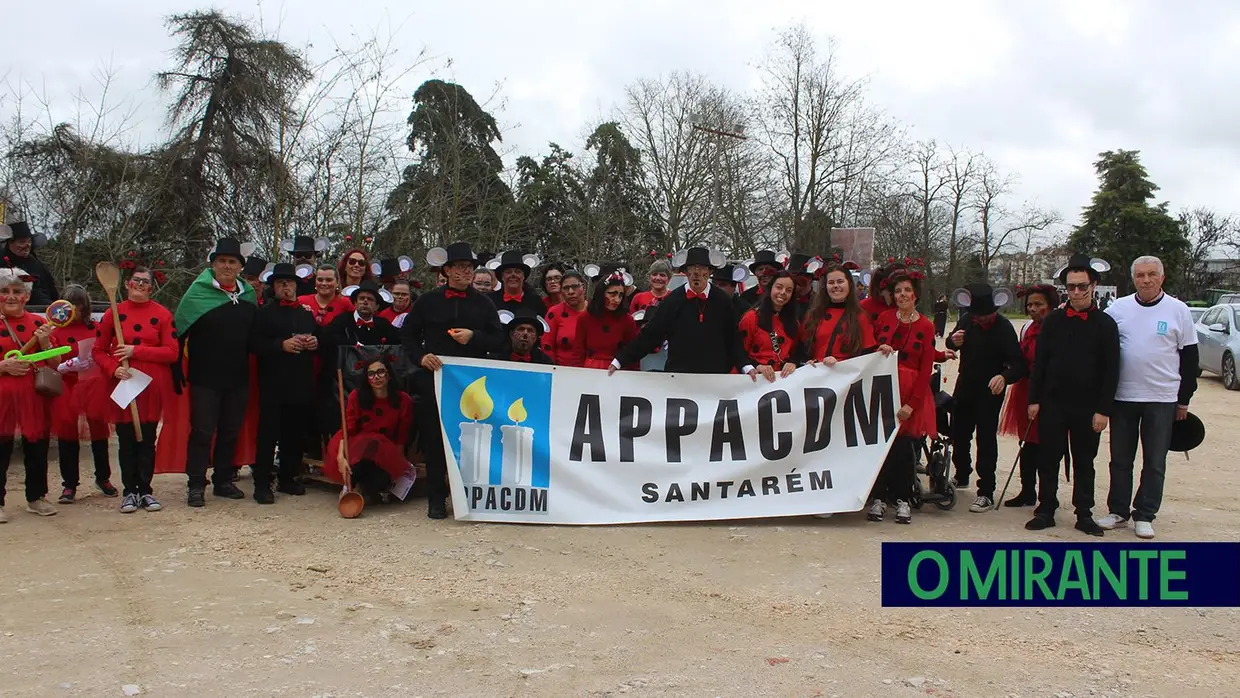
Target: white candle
475 452
518 445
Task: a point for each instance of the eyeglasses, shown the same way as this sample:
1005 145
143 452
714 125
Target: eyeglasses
571 287
139 282
1078 287
553 278
400 294
377 373
355 262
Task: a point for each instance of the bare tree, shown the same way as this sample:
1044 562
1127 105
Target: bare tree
962 167
1212 236
999 227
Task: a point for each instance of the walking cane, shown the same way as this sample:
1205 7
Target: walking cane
351 502
1014 463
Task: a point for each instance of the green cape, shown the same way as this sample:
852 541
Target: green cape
202 297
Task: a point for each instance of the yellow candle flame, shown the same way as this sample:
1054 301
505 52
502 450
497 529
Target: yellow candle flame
476 404
516 411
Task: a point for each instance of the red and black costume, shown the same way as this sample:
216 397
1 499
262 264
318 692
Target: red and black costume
525 302
23 410
774 347
148 328
378 434
700 331
70 421
324 314
559 342
913 343
645 300
828 339
1015 420
601 338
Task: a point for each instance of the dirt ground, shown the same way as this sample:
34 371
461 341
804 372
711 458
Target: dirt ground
290 600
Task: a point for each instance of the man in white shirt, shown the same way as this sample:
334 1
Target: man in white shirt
1157 379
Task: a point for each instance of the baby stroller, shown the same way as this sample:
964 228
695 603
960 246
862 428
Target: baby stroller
940 490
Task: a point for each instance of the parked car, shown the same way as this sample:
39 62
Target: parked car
1218 342
1197 312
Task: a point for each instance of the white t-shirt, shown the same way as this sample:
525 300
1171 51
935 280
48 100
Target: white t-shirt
1150 340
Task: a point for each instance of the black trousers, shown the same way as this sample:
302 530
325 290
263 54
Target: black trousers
369 479
68 453
1058 430
895 480
978 411
34 457
285 425
137 459
1030 461
219 414
430 438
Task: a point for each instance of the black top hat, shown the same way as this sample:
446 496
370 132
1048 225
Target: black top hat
20 230
484 257
366 286
229 247
283 270
801 263
729 274
254 266
390 268
698 256
764 257
456 252
512 320
1187 433
304 245
513 260
981 299
1080 262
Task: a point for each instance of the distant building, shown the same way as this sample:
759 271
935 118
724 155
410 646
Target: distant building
1028 268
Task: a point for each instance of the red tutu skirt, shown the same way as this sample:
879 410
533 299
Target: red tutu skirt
23 412
923 421
382 451
70 421
1015 419
94 395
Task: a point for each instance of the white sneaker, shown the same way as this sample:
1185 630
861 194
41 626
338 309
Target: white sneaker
904 513
1111 522
1144 529
877 509
41 506
981 505
129 504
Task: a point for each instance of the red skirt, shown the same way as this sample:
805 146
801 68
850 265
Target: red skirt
1015 419
23 412
923 421
94 391
381 450
70 419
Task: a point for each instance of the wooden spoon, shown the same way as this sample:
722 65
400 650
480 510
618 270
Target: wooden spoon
110 278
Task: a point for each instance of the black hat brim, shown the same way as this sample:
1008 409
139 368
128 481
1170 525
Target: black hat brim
1187 434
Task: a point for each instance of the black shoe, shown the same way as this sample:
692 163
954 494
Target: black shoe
1024 499
292 487
962 480
107 489
438 509
67 495
263 495
1087 525
227 490
195 498
1040 523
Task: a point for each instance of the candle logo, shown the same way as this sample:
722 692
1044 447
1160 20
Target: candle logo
476 405
518 443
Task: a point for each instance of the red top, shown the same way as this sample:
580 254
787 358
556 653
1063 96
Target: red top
599 339
24 325
558 342
823 345
148 328
760 345
644 300
324 316
914 343
382 419
549 302
873 306
1015 420
390 313
70 336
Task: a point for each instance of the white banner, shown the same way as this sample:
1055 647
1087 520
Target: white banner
556 445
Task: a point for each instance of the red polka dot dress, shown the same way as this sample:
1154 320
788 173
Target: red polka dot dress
914 343
69 409
22 410
599 339
558 342
148 328
773 348
377 434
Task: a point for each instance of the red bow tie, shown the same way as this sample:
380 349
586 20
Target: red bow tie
985 324
520 357
453 294
365 323
513 299
1082 314
692 295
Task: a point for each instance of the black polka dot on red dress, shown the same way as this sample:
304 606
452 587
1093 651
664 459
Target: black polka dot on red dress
136 341
21 328
607 328
122 317
564 341
137 327
154 322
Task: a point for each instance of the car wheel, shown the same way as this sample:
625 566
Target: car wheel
1229 373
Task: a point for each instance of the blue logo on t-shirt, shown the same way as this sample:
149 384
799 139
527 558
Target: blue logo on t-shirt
1162 328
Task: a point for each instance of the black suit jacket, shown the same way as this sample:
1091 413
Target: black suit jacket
701 335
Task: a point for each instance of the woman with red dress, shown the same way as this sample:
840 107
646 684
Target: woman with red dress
834 327
354 268
22 409
150 346
559 341
879 300
1039 301
326 302
911 335
379 418
69 410
660 277
552 276
769 331
604 328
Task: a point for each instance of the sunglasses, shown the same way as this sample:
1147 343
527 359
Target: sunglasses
571 287
355 262
378 373
139 282
1078 287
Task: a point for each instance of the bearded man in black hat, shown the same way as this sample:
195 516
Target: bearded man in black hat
215 320
1072 393
524 334
697 322
990 360
765 266
18 252
451 320
284 342
515 294
364 326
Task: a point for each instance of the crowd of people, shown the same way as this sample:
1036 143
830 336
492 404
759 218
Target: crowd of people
256 341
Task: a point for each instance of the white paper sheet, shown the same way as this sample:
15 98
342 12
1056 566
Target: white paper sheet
130 388
404 483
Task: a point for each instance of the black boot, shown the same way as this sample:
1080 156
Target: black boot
227 490
195 497
292 487
1087 525
103 467
1024 499
437 509
1040 523
263 494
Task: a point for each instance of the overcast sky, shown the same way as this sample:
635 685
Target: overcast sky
1039 86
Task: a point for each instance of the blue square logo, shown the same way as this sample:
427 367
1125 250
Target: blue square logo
1162 328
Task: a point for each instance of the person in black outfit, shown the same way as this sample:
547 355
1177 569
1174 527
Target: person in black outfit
725 279
284 342
940 316
305 251
364 326
523 341
18 252
765 266
451 320
515 294
699 326
1071 392
215 319
990 360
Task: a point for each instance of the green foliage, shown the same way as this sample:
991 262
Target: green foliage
1121 224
